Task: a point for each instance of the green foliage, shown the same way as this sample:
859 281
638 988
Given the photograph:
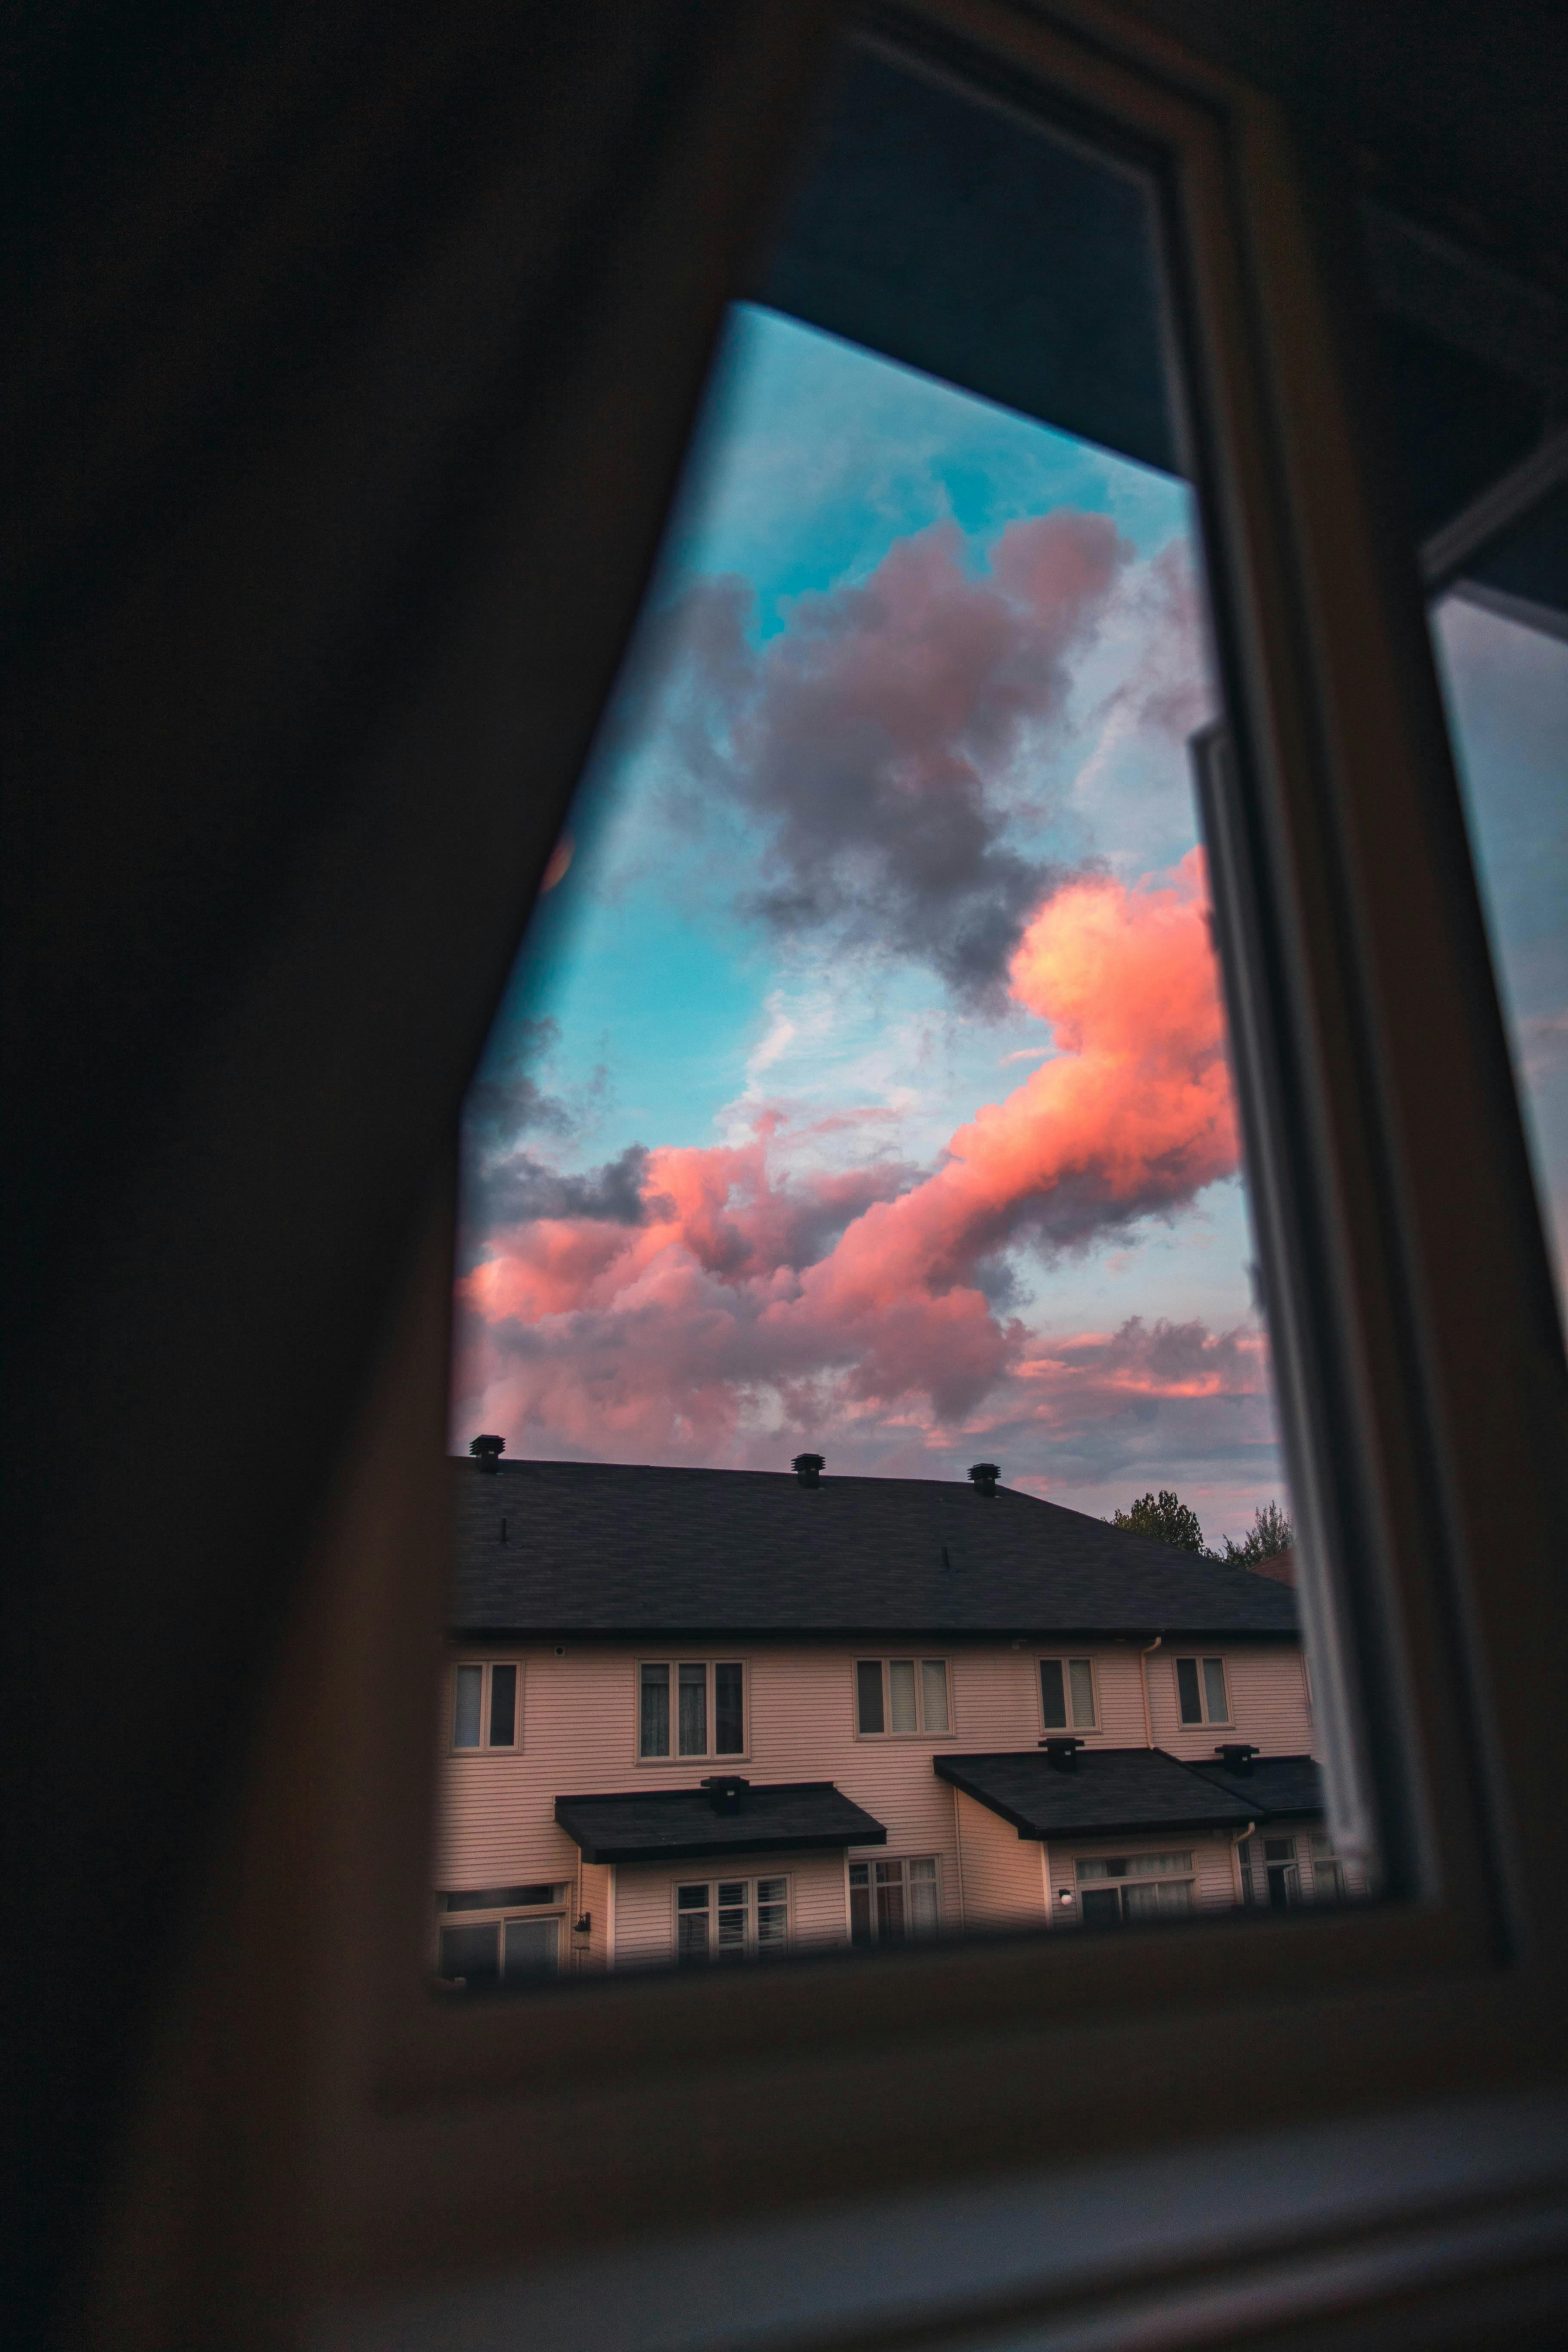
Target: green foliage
1270 1533
1164 1516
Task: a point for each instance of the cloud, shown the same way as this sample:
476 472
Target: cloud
876 737
506 1100
518 1188
735 1297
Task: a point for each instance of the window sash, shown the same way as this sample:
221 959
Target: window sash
1067 1694
902 1698
729 1919
486 1706
707 1717
894 1899
1202 1691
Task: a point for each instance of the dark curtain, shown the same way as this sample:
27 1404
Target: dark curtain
354 346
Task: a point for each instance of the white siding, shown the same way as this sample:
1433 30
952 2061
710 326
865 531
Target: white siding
1003 1873
1268 1700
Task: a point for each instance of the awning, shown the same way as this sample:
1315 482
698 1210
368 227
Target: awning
1103 1792
673 1825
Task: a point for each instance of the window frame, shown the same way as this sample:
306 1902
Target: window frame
1066 1663
498 1916
753 1881
1119 1880
918 1661
1426 1482
1200 1663
485 1746
674 1755
872 1865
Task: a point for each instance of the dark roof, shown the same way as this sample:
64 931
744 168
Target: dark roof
598 1548
1108 1791
1270 1785
672 1825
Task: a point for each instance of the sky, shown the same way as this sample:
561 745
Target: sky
862 1082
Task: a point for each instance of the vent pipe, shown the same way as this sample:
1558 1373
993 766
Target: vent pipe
983 1477
1062 1754
1236 1755
808 1468
487 1451
727 1792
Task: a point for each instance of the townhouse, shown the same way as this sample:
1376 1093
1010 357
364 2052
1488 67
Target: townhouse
706 1714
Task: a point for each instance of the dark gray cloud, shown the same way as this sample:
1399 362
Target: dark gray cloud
516 1188
875 737
506 1100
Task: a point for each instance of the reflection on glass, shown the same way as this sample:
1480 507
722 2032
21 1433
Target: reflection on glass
1507 691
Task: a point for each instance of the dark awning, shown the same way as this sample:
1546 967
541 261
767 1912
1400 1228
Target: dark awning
1105 1792
1270 1786
672 1825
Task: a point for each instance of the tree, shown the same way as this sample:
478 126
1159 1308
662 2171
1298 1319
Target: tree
1271 1533
1164 1516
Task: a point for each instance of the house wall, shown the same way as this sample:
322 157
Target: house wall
645 1901
1003 1873
1215 1879
596 1896
579 1736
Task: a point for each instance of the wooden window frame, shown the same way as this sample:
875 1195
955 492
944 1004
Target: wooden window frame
672 1664
1066 1662
920 1660
1426 1472
485 1746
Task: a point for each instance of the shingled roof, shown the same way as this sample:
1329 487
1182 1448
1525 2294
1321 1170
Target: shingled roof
668 1825
587 1548
1106 1792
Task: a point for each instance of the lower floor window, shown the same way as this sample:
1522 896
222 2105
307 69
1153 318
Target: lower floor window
1328 1872
1116 1888
498 1951
891 1900
730 1919
1281 1876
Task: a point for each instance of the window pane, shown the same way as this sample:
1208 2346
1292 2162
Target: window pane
729 1730
503 1706
1158 1865
471 1953
1506 685
1053 1697
1187 1690
772 1926
694 1710
1216 1702
691 1939
510 1898
771 1890
1082 1678
868 1694
922 1899
732 1928
467 1700
691 1898
860 1931
1101 1907
901 1694
890 1906
531 1946
653 1737
933 1676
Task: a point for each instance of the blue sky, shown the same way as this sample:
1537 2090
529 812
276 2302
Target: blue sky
862 1082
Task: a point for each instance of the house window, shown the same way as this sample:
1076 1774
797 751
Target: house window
1281 1875
892 1900
901 1697
691 1707
1067 1694
731 1919
521 1940
1328 1872
485 1711
1115 1889
1201 1693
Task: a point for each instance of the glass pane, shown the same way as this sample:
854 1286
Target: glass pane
653 1737
532 1947
1187 1690
860 1931
471 1954
1216 1701
1053 1696
503 1706
732 1890
1506 685
901 1694
933 1692
501 1898
1092 1867
1083 1693
694 1710
890 1906
922 1902
771 1890
1101 1907
732 1930
467 1699
729 1729
868 1694
691 1898
691 1941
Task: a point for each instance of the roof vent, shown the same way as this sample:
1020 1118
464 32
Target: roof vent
1062 1754
727 1792
808 1468
983 1477
1236 1755
487 1451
